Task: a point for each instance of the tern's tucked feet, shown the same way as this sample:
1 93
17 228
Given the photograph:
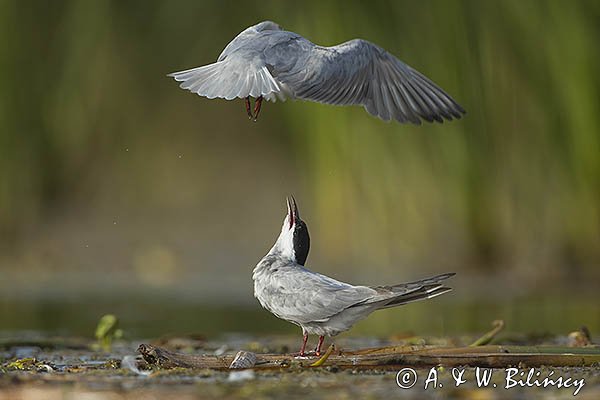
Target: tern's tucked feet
257 105
248 109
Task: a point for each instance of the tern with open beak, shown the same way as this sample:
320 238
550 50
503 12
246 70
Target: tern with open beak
266 62
321 305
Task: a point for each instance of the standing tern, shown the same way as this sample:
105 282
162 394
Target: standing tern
266 62
321 305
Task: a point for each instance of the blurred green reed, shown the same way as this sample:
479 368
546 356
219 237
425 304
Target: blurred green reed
513 187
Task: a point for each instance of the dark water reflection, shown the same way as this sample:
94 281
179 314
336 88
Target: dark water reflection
145 316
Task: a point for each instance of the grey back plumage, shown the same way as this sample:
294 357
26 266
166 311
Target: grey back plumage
325 306
301 296
264 60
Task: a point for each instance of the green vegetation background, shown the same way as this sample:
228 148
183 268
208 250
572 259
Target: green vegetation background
115 183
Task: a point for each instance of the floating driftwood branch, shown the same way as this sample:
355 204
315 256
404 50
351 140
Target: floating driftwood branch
396 356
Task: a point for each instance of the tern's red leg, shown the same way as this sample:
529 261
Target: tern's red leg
257 105
318 349
248 110
303 348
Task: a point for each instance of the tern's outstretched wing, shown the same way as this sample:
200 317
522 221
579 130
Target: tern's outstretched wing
361 73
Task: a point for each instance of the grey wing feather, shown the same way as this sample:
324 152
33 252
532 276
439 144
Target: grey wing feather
412 291
410 286
361 73
304 296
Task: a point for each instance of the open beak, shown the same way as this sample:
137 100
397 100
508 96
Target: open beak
293 214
